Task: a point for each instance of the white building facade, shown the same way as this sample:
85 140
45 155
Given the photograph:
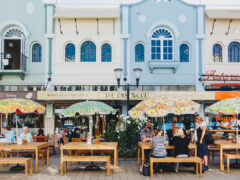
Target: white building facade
222 47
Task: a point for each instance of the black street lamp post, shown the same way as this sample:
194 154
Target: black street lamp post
118 74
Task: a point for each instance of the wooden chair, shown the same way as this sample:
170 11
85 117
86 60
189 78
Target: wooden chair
40 138
53 143
43 151
76 139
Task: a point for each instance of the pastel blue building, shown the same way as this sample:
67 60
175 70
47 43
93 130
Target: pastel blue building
26 41
165 39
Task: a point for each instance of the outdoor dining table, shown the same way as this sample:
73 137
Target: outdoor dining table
223 145
148 145
103 146
36 146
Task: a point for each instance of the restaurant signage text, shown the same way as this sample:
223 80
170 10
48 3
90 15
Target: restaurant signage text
120 95
212 76
227 121
17 94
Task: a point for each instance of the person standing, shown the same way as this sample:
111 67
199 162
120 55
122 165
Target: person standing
201 127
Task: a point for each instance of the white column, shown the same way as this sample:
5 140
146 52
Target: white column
124 109
49 119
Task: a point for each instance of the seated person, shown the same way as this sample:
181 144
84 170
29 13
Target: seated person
147 133
26 135
75 134
159 146
10 135
170 134
61 134
181 142
40 132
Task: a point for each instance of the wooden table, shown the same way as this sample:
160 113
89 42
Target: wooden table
36 146
1 144
222 145
148 145
112 146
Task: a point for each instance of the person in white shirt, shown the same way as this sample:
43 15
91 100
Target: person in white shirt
26 135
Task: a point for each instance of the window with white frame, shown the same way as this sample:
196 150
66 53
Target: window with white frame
162 45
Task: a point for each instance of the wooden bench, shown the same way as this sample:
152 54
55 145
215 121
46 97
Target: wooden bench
228 157
43 154
66 159
19 161
212 149
196 160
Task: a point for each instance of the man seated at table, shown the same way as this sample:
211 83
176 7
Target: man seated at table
75 134
147 133
26 135
146 136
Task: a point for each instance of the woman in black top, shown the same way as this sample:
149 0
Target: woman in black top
181 143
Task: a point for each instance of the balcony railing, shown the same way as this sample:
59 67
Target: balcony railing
13 63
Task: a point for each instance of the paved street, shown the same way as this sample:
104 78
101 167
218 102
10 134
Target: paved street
126 170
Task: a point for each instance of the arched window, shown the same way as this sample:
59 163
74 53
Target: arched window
162 45
217 53
234 52
70 52
139 53
106 53
184 53
36 53
88 52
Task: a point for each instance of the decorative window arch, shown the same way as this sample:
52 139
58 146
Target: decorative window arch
88 52
106 53
70 52
162 44
36 52
217 53
234 52
139 53
14 33
184 53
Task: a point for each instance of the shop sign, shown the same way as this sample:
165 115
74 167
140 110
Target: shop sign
120 95
212 76
226 121
15 94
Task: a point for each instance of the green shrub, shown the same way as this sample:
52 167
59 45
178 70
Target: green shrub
127 135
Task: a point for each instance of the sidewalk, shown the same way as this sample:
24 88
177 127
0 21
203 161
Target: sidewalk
127 170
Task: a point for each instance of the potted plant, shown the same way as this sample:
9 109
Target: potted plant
98 139
85 136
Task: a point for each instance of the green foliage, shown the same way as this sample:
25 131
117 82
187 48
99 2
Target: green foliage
127 135
111 135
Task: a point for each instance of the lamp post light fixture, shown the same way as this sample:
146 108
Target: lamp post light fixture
118 74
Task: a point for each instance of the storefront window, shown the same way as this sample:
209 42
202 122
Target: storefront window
33 121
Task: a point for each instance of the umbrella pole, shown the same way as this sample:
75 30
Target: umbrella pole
89 140
17 167
1 123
